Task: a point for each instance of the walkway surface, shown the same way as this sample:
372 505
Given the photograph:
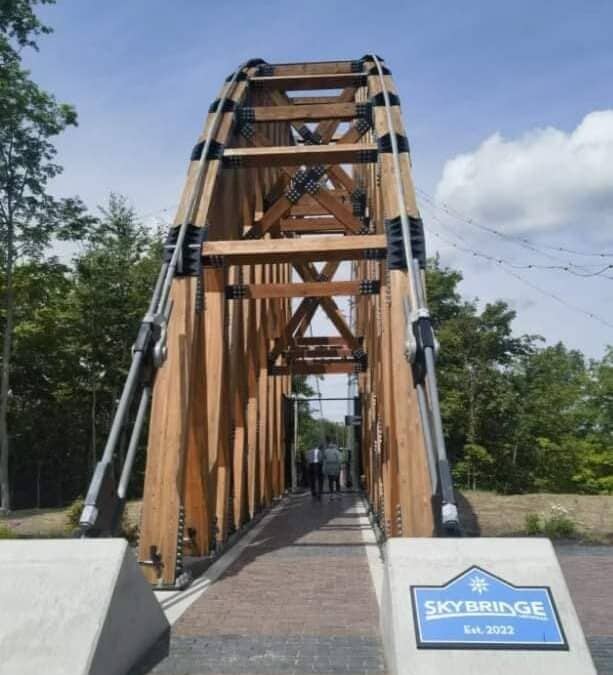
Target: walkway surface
589 574
299 596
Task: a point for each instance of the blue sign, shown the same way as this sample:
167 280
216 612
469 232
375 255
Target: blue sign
478 610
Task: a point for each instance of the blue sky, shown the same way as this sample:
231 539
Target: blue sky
142 74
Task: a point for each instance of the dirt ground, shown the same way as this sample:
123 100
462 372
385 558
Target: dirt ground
488 514
482 514
52 523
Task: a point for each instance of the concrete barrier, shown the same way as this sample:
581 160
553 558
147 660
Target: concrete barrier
74 607
479 606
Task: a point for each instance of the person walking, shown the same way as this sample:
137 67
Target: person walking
315 458
332 468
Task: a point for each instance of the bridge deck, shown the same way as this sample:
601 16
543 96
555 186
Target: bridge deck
299 598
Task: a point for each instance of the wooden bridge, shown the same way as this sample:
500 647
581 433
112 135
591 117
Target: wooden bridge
299 168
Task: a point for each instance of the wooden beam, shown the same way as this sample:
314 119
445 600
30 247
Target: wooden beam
330 367
312 225
280 155
310 100
308 82
313 112
317 68
246 252
332 340
318 353
305 290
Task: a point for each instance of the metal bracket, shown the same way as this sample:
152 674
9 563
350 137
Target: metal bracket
384 143
378 100
305 181
228 105
241 77
189 264
245 115
364 111
374 254
370 286
309 137
366 156
236 291
155 561
233 162
396 258
266 70
215 150
384 69
358 202
362 126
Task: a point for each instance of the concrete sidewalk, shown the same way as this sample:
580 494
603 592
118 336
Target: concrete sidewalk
299 598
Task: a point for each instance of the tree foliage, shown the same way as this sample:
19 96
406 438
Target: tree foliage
29 216
519 416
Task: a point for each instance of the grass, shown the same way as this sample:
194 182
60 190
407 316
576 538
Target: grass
55 523
491 515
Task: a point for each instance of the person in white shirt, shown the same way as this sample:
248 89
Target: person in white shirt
332 468
315 458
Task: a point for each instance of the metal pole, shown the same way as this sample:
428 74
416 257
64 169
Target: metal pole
131 454
295 444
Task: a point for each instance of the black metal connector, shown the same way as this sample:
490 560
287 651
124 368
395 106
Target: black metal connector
215 150
228 105
244 115
266 70
384 69
358 202
384 143
370 287
309 137
236 291
396 258
252 63
366 156
364 111
241 77
374 254
305 181
189 262
378 100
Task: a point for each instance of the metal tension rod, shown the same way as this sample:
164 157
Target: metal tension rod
422 346
104 502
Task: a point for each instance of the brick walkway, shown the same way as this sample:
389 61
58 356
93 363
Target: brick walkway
589 574
299 599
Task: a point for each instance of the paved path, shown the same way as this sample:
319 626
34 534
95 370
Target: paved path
589 574
299 599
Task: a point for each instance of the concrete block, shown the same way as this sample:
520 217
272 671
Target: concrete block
508 563
74 607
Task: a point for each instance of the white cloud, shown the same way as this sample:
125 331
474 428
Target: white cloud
546 181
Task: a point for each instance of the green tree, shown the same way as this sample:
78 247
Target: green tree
29 217
113 282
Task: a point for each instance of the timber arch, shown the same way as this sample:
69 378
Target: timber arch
283 186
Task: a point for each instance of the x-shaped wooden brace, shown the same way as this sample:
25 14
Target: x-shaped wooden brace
307 308
323 196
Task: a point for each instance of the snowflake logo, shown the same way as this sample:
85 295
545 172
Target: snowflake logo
478 585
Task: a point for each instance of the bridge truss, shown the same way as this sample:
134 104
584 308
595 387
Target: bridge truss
286 186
